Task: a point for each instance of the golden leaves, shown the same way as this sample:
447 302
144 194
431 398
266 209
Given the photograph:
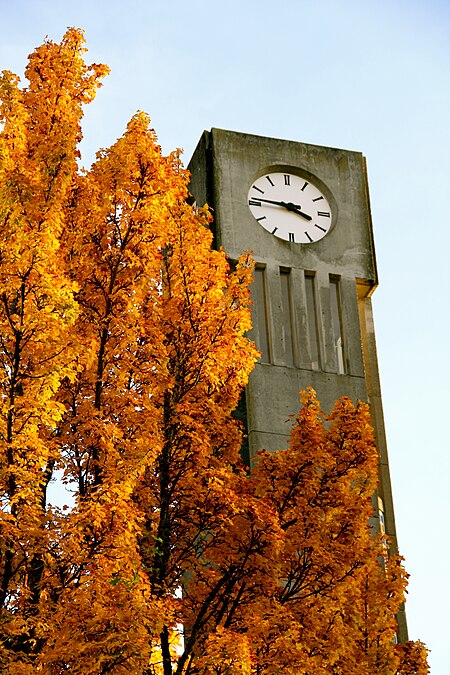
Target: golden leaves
123 353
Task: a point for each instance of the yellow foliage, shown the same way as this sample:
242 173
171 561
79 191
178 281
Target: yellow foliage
123 355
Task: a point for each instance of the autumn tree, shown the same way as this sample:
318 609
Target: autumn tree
41 129
124 352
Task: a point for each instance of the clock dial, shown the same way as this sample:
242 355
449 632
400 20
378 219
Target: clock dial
290 207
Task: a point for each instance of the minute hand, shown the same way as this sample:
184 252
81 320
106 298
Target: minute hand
295 208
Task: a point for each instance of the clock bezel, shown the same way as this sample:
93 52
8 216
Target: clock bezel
302 173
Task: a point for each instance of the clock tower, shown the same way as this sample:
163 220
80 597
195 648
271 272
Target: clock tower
304 212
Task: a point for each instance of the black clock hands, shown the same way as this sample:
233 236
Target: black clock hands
295 208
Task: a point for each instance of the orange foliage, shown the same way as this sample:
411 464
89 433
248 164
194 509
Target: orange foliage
124 352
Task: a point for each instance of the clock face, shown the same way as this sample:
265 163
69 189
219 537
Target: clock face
290 207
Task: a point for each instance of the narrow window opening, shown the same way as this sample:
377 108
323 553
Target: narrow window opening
259 314
382 521
336 320
313 324
240 414
286 325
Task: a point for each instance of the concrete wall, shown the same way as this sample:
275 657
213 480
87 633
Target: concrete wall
236 160
223 168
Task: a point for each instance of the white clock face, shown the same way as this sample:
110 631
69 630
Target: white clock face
290 207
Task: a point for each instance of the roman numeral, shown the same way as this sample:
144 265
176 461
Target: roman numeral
291 237
326 214
320 228
317 199
305 184
274 230
308 237
287 179
262 218
270 181
255 187
253 202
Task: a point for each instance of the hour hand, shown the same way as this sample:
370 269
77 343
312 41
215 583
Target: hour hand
296 209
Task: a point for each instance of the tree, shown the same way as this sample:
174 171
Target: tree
124 352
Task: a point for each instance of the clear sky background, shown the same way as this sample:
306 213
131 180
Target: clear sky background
371 76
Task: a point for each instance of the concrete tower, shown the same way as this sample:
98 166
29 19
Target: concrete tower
304 212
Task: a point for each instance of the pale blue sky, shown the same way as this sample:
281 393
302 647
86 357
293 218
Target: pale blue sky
366 76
